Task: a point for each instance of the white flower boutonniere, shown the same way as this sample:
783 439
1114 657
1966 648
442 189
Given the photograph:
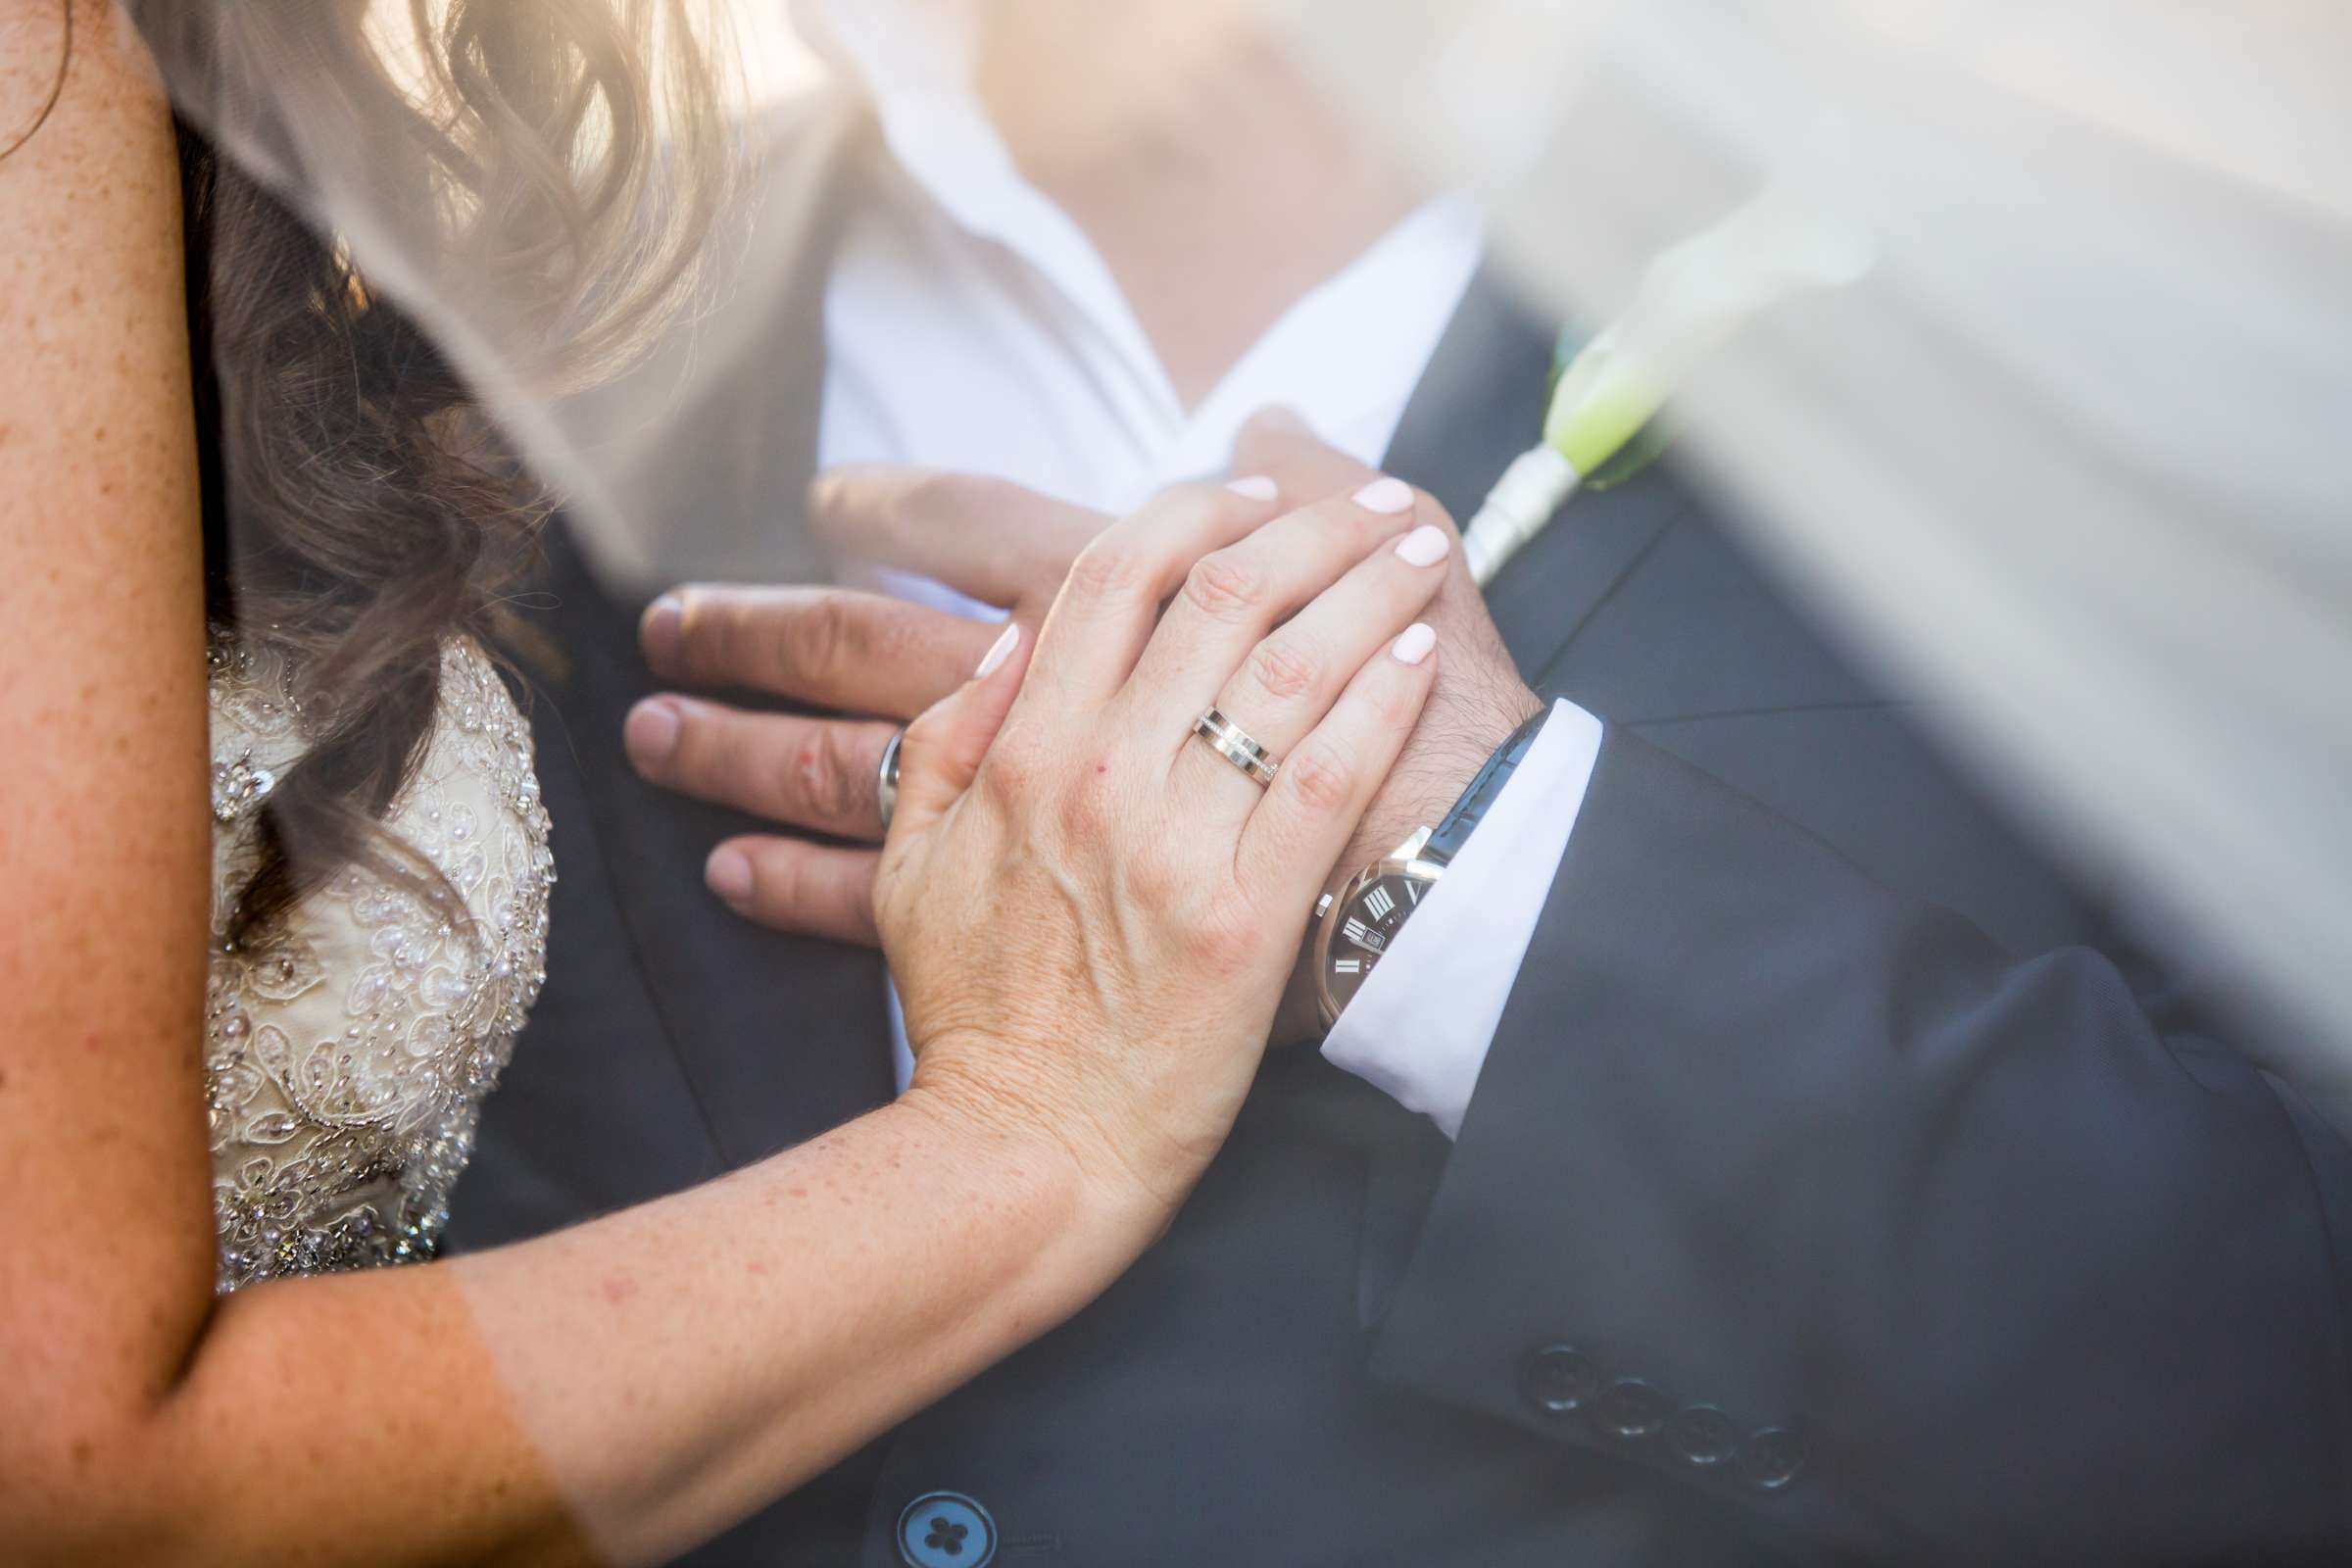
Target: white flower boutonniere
1693 297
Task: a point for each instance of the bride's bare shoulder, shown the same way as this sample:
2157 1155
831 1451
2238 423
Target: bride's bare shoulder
94 401
98 479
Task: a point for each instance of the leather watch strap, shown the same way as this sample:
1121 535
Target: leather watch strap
1452 831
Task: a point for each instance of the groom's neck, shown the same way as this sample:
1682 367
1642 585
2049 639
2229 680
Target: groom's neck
1216 183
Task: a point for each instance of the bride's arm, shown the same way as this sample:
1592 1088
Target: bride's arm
622 1387
723 1344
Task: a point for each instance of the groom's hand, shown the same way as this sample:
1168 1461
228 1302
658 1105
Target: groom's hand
865 655
865 665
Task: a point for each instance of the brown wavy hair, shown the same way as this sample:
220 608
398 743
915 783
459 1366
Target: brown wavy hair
360 507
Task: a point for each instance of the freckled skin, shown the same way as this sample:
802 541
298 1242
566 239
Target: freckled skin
141 1419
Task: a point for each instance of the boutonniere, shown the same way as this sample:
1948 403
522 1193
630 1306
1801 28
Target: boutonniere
1603 423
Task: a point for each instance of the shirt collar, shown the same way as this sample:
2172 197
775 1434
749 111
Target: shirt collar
915 58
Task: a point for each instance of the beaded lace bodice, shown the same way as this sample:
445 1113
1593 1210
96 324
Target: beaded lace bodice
347 1055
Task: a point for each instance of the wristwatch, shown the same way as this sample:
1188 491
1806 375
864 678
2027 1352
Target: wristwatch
1355 926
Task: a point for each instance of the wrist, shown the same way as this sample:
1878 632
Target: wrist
1087 1183
1443 758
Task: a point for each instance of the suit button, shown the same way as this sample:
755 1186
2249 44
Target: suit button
1632 1409
1702 1434
1559 1380
945 1529
1771 1458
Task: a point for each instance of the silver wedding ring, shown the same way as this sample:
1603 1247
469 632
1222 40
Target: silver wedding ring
886 782
1229 741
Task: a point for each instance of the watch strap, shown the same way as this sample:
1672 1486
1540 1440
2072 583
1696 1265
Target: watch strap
1454 829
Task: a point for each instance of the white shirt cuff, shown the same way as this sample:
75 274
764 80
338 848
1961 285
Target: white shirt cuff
1419 1026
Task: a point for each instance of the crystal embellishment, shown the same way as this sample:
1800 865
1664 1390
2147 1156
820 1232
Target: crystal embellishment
347 1055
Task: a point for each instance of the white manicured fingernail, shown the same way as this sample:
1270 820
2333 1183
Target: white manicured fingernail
998 652
1424 546
1384 495
1414 645
1256 486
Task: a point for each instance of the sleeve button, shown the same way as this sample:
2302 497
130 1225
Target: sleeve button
1770 1459
1632 1409
1702 1434
1559 1380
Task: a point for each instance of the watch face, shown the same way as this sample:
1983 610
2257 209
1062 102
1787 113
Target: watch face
1367 923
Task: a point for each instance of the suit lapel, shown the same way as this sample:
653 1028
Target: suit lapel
1479 406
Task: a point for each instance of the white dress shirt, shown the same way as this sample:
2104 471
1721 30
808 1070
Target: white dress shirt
970 326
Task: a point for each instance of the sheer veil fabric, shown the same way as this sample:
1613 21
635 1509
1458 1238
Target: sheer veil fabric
2069 458
2066 457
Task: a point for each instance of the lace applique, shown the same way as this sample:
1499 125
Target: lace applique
346 1060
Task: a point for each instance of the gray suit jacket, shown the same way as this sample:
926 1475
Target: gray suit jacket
1845 1182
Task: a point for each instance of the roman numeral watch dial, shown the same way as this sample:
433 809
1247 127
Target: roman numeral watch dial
1370 923
1356 926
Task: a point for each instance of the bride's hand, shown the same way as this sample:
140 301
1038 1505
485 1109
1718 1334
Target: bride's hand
1090 911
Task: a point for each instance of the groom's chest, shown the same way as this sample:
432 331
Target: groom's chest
1640 605
1214 1404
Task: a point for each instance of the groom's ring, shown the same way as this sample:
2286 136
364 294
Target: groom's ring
1226 739
886 780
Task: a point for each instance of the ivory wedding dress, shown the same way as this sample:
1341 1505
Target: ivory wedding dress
347 1055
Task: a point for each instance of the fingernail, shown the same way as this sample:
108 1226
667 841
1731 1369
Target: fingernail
1424 546
1257 487
728 874
657 631
1384 495
650 733
1414 645
998 652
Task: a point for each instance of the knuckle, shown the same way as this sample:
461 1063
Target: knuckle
824 775
890 636
1223 939
1007 775
1108 568
1322 775
1083 811
802 891
785 884
818 640
1155 878
1224 586
1288 666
